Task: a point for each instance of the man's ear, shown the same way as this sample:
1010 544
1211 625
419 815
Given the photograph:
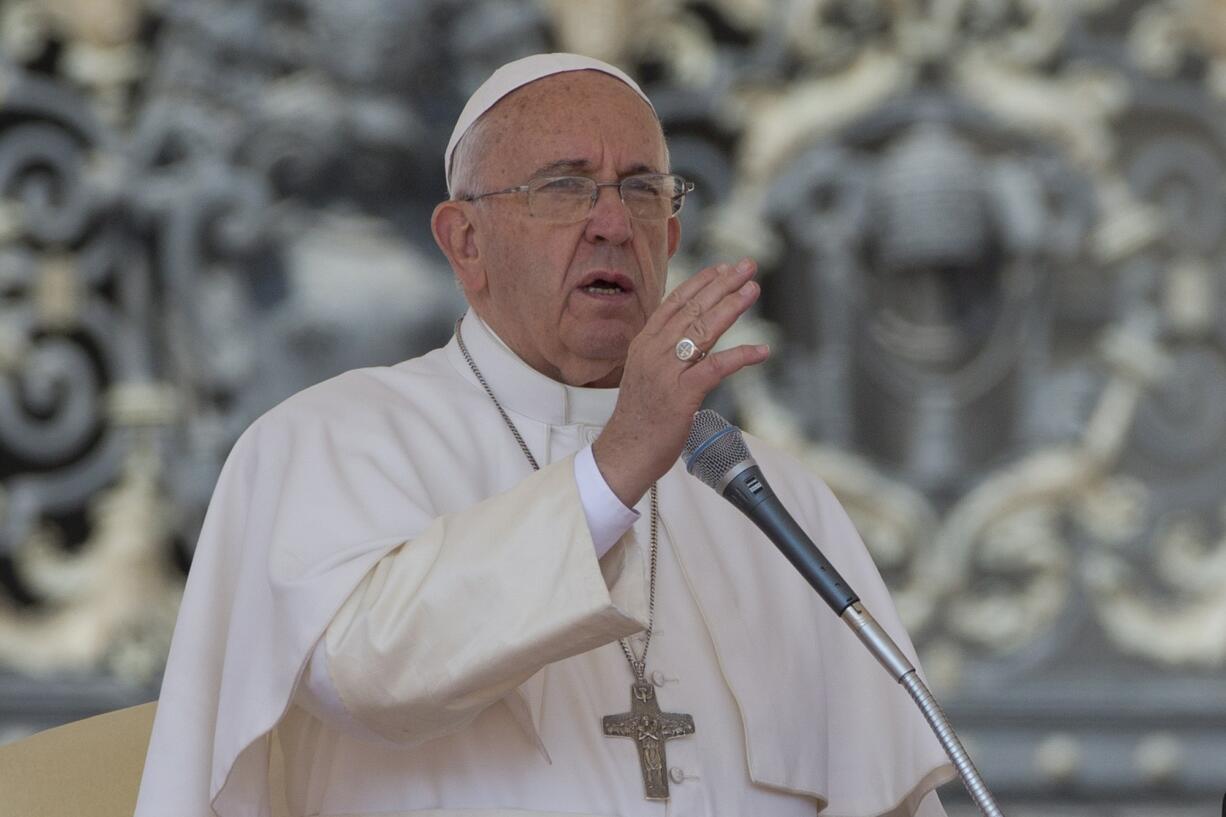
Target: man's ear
456 235
674 235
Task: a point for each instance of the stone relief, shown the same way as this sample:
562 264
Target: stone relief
991 235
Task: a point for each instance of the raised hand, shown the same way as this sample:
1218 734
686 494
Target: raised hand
660 392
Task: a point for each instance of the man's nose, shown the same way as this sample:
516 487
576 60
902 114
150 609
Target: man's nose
609 221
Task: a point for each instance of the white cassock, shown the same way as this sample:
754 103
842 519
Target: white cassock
469 630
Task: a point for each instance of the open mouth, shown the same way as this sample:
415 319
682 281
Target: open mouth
602 287
606 283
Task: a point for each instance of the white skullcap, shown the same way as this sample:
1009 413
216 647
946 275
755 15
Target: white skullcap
516 75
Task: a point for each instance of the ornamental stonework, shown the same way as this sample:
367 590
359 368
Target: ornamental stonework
991 234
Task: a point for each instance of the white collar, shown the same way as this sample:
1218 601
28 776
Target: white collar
522 389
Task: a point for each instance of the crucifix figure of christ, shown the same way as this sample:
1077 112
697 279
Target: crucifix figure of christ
648 727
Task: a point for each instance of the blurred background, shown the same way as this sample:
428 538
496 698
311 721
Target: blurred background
991 234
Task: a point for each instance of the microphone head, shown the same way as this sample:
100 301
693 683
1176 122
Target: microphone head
714 448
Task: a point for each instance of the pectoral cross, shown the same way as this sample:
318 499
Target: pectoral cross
648 727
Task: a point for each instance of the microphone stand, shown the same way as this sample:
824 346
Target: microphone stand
716 454
883 648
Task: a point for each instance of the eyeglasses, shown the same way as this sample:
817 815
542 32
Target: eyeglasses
567 199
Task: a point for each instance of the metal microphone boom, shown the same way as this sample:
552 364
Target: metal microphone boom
715 453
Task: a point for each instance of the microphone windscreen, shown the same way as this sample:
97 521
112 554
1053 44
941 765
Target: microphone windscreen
713 448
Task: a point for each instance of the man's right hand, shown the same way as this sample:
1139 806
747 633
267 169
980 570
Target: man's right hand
660 393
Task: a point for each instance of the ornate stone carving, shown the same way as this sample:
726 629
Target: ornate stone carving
991 233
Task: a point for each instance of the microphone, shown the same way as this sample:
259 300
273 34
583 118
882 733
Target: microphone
716 453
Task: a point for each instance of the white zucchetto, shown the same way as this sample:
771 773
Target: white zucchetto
516 75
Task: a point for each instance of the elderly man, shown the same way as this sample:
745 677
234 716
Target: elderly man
479 582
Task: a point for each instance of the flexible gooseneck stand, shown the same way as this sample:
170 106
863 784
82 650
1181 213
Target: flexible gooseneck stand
886 651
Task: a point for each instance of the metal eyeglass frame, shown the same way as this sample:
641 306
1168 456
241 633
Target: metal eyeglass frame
686 187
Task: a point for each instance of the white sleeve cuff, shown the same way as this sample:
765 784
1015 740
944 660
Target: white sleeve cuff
317 694
607 518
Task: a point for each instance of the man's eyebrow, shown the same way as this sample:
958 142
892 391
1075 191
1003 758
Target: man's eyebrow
562 166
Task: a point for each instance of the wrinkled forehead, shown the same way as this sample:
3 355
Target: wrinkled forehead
574 117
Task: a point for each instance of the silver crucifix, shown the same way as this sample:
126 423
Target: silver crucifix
648 727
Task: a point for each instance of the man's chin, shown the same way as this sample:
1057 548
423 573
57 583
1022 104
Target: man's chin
602 338
589 372
604 347
597 357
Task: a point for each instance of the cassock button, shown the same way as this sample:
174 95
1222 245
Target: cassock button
658 678
676 774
